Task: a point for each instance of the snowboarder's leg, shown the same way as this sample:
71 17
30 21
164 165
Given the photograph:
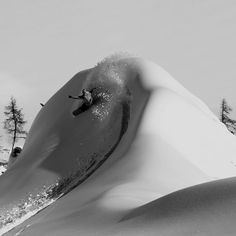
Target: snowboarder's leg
81 109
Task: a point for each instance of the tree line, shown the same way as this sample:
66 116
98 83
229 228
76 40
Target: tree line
14 122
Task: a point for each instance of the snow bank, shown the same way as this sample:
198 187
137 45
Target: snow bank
145 137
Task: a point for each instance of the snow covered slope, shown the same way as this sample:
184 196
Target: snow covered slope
144 137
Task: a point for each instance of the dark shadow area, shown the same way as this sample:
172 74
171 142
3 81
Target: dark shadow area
74 180
84 107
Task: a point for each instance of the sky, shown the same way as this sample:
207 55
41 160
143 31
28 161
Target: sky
43 43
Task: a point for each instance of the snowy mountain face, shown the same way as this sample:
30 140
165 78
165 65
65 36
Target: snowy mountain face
110 149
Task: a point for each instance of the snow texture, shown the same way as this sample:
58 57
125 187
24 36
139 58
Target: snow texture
147 158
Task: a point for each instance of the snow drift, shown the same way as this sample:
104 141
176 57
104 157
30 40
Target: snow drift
121 160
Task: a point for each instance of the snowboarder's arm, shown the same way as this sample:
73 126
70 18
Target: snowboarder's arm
74 97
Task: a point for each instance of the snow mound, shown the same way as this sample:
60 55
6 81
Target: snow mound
121 160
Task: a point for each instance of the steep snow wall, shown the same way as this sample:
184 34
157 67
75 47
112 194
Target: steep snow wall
145 136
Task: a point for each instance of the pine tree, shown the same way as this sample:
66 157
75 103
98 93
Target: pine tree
14 123
224 117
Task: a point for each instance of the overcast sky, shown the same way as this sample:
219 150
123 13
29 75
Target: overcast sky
43 43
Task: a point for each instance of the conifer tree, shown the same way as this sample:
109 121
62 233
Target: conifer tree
14 123
224 117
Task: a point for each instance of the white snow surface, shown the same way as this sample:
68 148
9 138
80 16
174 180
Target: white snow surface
179 143
2 169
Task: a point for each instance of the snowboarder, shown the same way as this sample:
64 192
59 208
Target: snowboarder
86 96
87 101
